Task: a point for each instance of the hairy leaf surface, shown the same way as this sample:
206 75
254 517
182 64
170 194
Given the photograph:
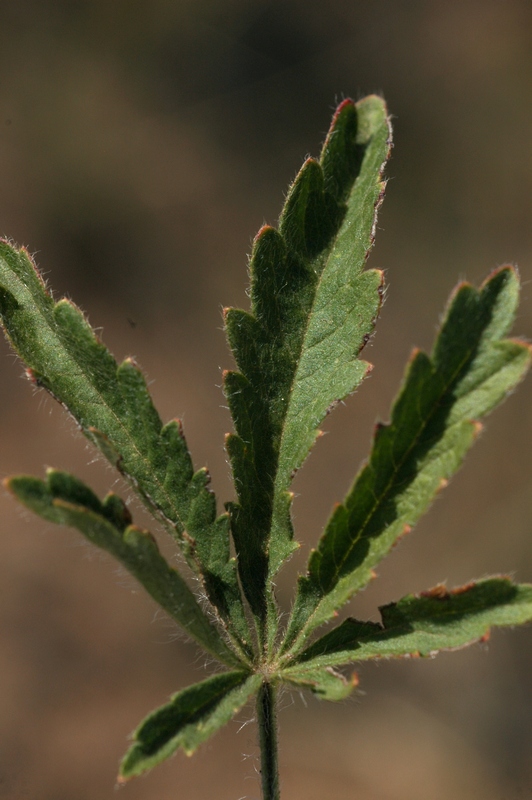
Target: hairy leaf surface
65 500
422 625
433 424
297 353
191 717
323 681
313 309
113 407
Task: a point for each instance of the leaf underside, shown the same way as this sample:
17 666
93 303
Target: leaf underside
65 500
191 717
423 625
416 626
313 308
434 422
112 405
322 680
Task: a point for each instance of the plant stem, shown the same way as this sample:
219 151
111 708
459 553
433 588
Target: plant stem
267 722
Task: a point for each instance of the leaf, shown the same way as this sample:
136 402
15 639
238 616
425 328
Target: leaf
113 407
191 717
433 424
313 309
423 625
65 500
324 682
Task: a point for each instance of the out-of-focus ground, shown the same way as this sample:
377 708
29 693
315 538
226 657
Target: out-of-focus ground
142 144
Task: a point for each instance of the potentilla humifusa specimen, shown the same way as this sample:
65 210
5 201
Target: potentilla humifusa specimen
299 349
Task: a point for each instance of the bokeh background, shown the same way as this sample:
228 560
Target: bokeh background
142 144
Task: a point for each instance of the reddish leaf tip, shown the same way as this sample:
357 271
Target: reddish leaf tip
348 101
478 427
263 230
439 592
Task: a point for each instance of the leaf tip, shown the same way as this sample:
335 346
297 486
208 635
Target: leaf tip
510 270
415 352
478 427
404 532
348 102
265 229
31 376
438 592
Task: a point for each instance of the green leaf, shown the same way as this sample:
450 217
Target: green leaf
65 500
323 681
191 717
433 424
313 309
422 625
113 407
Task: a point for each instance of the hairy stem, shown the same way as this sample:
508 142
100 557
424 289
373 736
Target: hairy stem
267 722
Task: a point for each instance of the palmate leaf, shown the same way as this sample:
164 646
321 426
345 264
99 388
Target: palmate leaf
191 717
65 500
113 407
433 424
422 625
313 309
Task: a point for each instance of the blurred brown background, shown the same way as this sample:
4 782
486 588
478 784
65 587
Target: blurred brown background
142 144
